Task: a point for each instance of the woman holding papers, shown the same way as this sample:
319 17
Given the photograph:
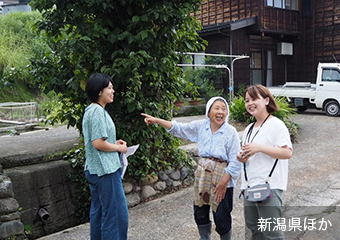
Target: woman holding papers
109 212
218 167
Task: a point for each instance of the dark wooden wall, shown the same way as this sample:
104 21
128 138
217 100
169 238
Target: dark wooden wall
220 11
321 36
272 19
314 30
275 19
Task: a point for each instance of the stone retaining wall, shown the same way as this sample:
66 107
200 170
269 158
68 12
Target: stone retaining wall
138 192
10 223
45 195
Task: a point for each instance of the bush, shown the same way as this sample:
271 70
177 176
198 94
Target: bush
237 109
203 79
137 47
76 158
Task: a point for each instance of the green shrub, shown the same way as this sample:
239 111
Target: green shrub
76 158
208 78
204 82
241 88
237 109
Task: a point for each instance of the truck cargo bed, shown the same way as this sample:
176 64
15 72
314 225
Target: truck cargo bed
294 90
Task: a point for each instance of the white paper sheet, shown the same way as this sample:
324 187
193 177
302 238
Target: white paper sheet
123 157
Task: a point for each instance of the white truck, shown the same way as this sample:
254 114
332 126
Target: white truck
323 95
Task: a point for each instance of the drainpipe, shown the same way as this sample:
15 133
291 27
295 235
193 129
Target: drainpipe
43 214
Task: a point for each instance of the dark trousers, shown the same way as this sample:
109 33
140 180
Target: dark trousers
222 216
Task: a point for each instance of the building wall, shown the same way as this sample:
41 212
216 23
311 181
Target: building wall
6 9
220 11
314 31
320 36
220 43
273 25
269 18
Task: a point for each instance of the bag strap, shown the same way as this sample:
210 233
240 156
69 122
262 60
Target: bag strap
269 176
248 136
271 172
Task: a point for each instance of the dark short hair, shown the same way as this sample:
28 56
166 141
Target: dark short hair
95 84
255 91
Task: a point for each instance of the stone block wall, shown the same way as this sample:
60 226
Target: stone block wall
10 223
45 195
137 192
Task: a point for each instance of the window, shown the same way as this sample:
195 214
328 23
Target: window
256 67
278 3
284 4
330 75
269 75
262 68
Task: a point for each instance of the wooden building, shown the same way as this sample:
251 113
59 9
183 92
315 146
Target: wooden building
285 39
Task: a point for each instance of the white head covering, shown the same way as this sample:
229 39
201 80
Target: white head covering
211 102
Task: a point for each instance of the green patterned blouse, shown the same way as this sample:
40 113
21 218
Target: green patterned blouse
97 123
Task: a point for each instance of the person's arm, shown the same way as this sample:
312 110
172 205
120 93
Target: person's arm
275 152
102 145
150 119
234 166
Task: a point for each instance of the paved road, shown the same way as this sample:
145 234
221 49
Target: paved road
314 182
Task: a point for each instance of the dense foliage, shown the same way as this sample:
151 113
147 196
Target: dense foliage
19 42
208 80
82 190
135 42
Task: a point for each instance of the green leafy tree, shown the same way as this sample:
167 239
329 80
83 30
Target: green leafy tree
135 42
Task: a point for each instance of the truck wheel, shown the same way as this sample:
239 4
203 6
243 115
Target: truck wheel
332 108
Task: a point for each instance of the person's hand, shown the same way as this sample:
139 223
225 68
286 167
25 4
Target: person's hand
220 191
242 157
149 119
120 142
251 148
122 146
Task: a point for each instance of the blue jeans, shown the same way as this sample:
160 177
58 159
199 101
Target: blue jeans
109 215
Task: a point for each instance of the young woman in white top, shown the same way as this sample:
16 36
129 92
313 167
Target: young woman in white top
266 141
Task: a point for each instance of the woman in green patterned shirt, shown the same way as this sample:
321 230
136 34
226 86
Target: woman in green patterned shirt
109 213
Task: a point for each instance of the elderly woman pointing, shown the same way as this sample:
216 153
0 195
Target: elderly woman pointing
218 167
